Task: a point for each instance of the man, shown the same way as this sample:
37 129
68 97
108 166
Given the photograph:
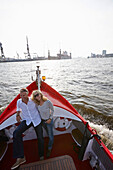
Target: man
30 117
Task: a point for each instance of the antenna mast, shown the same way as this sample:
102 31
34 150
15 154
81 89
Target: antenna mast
38 72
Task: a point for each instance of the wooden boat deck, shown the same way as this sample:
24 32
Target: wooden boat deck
57 163
63 145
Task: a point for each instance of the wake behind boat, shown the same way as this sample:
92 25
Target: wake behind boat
76 144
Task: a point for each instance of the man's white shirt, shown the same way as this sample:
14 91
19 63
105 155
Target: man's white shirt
29 112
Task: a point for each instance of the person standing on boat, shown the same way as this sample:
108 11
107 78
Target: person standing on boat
46 111
30 117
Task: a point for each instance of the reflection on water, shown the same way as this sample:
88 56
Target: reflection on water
86 83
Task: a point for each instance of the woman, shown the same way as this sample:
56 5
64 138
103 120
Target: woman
45 108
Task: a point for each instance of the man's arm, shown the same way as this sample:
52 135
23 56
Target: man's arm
18 118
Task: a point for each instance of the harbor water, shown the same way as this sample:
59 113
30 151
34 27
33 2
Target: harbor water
86 83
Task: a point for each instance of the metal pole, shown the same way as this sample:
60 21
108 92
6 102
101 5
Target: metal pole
38 72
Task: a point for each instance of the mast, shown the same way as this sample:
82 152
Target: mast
28 53
38 72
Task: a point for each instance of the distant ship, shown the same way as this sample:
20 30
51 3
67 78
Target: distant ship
103 55
59 56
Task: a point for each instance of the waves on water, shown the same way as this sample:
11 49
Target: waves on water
86 83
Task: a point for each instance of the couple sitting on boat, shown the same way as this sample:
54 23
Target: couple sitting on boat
36 111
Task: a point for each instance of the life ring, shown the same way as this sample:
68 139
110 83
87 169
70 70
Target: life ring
62 123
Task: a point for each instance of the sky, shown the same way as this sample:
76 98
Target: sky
81 27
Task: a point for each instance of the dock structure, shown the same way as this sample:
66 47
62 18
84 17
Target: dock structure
103 55
29 57
2 52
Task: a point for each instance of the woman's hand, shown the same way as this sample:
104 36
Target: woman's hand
48 121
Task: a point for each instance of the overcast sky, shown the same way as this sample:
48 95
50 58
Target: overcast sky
78 26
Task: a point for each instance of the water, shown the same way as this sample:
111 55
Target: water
86 83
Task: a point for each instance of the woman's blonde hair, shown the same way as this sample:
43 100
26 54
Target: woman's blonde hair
38 92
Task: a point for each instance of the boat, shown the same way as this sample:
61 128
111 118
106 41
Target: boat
59 56
76 144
